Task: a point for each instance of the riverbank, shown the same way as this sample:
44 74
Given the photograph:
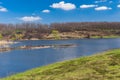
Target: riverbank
66 35
76 35
69 37
5 45
5 42
102 66
82 35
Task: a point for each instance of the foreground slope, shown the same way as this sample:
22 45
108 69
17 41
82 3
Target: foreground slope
104 66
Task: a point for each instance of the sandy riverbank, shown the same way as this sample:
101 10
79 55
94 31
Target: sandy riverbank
5 42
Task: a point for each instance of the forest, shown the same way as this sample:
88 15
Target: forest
28 31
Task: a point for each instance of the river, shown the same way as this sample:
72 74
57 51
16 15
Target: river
16 61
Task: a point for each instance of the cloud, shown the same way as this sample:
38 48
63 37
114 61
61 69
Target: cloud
100 1
46 11
87 6
64 6
118 6
110 1
3 9
102 8
30 18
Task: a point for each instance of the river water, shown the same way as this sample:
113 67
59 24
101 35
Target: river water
16 61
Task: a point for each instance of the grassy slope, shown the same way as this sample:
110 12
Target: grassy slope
105 66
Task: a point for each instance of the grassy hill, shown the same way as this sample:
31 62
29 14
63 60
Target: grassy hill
103 66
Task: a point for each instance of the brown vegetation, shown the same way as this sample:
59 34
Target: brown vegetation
66 30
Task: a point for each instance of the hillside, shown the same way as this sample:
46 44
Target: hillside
73 30
102 66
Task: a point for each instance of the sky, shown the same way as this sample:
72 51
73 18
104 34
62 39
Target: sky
50 11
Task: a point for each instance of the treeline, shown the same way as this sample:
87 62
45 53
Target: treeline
87 26
37 30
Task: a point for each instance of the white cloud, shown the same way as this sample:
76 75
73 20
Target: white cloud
110 1
30 18
102 8
100 1
87 6
3 9
46 11
96 1
63 5
118 6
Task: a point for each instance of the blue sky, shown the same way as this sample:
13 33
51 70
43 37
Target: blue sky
49 11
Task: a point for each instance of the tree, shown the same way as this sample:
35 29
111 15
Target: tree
55 33
1 36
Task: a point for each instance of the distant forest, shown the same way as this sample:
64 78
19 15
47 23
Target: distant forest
42 31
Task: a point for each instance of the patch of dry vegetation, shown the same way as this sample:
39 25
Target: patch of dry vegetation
36 31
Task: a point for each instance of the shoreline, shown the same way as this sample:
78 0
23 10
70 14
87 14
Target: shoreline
100 65
92 37
6 42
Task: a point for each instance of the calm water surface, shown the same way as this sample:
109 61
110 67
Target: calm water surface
21 60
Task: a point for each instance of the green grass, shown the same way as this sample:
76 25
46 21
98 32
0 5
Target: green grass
102 66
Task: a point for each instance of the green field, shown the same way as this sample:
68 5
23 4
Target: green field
101 66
